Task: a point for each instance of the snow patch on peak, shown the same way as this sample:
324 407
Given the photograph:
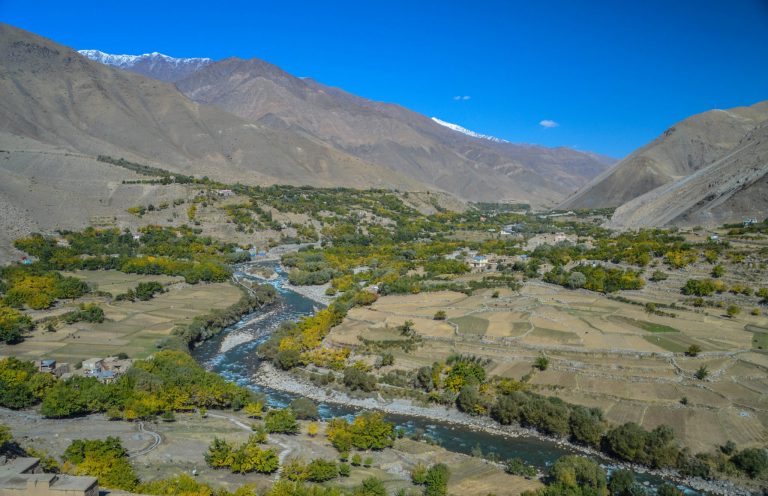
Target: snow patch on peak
465 131
127 61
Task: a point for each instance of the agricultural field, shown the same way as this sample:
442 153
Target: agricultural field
132 327
602 352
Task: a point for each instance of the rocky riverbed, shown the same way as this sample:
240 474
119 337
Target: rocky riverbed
269 376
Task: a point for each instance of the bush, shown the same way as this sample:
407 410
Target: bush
693 350
632 443
368 431
574 472
304 409
440 315
702 373
355 379
436 480
516 466
320 470
753 461
281 422
105 459
248 457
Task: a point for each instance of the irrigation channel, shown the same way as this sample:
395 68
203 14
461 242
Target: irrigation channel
232 354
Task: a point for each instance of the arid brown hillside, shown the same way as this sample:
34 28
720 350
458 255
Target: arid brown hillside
731 189
56 96
683 149
393 136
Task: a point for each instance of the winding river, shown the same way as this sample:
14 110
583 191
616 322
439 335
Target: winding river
232 355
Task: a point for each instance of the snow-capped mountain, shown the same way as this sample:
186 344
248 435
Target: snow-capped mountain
463 130
155 65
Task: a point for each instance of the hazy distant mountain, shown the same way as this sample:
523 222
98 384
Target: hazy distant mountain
154 65
390 135
682 150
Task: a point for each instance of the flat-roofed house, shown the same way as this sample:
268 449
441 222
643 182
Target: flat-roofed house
23 477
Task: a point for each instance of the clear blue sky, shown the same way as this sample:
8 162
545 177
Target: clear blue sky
612 75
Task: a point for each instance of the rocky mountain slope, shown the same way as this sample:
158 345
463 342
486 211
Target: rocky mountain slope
154 65
56 96
682 150
472 167
731 189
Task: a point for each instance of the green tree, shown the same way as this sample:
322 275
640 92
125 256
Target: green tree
281 422
440 315
752 461
541 363
320 470
574 472
436 480
304 409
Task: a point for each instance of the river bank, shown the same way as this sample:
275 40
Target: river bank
268 376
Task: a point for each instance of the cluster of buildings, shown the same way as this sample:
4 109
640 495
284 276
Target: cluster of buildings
25 477
106 370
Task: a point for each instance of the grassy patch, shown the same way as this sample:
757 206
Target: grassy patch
760 340
470 324
554 334
646 326
675 344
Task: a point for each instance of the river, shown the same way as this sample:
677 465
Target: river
232 355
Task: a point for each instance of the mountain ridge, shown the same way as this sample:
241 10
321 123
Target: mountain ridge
684 148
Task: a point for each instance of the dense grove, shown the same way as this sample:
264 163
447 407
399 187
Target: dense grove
170 381
168 251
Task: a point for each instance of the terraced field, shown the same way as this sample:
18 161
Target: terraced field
602 353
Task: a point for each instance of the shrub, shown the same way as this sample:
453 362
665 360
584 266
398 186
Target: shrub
436 480
702 373
105 459
355 379
281 422
752 461
440 315
320 470
516 466
693 350
304 409
248 457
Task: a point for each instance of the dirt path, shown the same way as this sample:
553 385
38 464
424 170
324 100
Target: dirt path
156 440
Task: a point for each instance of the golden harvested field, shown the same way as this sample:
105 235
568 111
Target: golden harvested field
602 352
130 327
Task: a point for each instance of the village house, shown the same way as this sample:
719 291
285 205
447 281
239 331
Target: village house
50 366
24 477
549 239
106 370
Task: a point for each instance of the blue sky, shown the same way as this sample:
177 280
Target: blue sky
612 75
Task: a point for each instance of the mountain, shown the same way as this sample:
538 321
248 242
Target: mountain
154 65
463 130
409 143
682 150
731 189
60 110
